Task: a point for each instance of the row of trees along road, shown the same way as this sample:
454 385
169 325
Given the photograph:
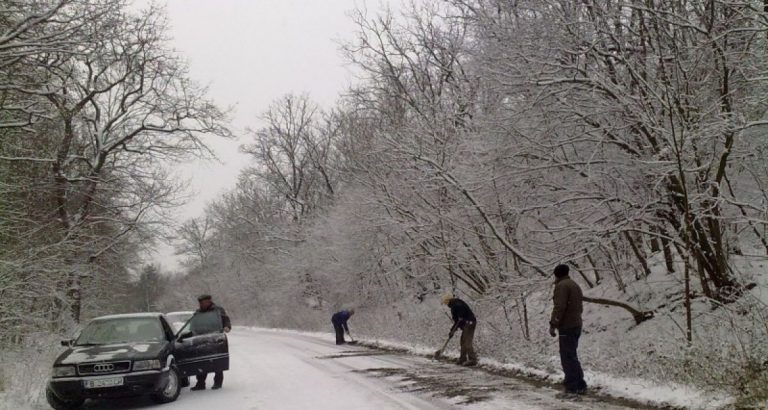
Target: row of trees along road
488 140
93 105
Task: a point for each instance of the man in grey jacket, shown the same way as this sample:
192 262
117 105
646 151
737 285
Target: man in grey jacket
566 321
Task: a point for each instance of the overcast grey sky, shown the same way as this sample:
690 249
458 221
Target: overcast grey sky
251 52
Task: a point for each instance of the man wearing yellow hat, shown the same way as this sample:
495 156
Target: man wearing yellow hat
463 319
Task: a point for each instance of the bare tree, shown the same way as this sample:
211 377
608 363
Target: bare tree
292 151
112 105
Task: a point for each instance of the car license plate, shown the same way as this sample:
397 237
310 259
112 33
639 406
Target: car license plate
107 382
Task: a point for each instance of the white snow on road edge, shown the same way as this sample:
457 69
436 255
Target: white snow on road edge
639 390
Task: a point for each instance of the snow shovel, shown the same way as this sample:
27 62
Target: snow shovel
440 351
352 340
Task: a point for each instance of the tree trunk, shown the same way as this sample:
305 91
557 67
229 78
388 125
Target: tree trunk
74 294
668 261
688 316
639 255
594 269
655 241
704 282
638 315
583 276
526 329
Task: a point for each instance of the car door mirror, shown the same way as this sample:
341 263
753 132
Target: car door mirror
184 335
67 343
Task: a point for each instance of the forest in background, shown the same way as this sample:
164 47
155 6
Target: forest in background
488 141
485 142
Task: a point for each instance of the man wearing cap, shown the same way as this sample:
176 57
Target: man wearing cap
566 322
207 305
464 319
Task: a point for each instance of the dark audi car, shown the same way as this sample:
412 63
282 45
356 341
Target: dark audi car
136 354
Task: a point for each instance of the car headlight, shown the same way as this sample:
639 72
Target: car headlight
64 371
146 365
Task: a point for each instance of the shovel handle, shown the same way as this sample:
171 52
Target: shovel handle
439 352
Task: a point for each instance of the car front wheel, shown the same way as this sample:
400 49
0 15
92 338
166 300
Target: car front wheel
60 404
172 388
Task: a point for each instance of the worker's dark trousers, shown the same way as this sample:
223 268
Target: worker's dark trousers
569 343
218 379
339 333
467 343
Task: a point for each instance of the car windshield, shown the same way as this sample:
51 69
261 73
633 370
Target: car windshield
204 322
121 330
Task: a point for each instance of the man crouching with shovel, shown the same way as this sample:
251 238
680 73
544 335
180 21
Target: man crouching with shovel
339 320
463 319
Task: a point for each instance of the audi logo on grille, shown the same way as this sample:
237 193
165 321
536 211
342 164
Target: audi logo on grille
104 367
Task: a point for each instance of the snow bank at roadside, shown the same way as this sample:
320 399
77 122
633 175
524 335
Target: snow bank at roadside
24 372
10 401
642 391
638 390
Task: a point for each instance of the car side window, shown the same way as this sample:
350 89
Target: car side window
205 322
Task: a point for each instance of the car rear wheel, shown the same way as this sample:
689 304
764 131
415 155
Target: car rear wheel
60 404
172 388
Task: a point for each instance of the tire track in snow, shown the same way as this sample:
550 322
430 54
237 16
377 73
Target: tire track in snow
506 391
349 372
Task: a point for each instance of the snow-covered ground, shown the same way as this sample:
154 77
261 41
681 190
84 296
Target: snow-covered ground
275 370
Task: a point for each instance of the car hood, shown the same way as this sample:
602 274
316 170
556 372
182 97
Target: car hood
112 352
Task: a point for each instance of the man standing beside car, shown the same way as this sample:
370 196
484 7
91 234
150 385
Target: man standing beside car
207 305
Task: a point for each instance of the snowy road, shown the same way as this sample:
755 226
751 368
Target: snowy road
272 370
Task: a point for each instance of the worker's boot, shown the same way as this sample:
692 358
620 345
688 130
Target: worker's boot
471 359
198 386
218 379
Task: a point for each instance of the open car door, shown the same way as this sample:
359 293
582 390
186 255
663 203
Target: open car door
201 345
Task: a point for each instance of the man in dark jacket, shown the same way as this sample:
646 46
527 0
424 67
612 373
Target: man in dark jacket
339 320
566 320
206 305
464 319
